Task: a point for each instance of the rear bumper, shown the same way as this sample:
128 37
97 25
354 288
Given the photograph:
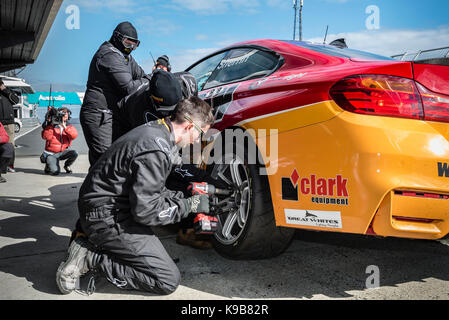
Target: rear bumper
412 214
361 162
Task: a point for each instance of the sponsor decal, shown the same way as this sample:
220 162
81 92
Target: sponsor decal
220 99
443 169
163 144
259 83
56 98
321 190
167 213
313 218
183 172
234 61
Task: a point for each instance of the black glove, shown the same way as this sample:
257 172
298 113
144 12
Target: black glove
198 204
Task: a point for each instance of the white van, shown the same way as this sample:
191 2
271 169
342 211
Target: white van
23 109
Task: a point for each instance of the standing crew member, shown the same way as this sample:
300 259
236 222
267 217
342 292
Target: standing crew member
124 194
7 100
113 74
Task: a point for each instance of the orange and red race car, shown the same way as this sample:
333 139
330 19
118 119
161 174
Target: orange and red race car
350 142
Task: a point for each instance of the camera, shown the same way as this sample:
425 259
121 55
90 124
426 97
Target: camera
57 115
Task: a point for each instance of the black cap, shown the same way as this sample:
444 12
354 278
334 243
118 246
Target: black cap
127 29
165 90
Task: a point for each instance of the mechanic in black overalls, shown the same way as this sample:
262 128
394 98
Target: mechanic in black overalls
124 194
156 100
113 74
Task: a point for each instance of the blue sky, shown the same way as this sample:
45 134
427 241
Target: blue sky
187 30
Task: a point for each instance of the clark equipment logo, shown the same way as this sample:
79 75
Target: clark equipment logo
320 190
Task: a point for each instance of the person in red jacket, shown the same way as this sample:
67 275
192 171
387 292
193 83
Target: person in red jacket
6 152
58 141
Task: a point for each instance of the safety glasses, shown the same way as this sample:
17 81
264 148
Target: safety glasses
127 41
134 43
197 127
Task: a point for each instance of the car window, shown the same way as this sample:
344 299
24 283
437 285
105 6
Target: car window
242 64
204 69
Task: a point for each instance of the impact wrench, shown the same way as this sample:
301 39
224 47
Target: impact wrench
202 223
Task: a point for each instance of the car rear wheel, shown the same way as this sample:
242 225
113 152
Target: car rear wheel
16 127
246 228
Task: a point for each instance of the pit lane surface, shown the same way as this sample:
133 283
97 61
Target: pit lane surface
38 211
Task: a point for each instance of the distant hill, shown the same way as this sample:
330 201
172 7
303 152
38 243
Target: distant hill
62 87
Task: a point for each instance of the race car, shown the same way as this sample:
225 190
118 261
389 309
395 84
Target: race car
345 141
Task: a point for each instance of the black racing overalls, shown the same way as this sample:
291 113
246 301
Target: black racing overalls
112 76
123 195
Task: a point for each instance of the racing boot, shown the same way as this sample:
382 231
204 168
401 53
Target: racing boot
80 260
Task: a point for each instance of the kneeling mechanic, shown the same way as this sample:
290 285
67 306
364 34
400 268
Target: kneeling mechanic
123 195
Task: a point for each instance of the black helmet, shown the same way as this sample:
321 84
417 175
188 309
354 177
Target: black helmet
162 63
125 30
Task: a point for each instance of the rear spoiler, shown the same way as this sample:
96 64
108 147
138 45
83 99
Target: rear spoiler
438 56
434 61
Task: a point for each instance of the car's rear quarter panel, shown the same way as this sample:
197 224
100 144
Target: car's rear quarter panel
375 155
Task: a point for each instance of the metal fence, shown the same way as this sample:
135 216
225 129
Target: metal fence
438 53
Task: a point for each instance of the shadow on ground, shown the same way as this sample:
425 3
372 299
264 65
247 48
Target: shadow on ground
317 263
41 172
38 234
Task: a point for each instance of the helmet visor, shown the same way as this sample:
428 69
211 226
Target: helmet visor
128 42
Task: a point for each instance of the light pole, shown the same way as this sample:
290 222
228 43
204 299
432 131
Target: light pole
297 17
300 19
295 8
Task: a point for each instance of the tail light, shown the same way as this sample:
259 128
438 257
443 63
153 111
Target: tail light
392 96
379 95
436 106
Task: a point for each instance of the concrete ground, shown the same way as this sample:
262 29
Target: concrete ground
37 213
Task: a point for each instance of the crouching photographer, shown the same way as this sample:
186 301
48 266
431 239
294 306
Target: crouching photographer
58 135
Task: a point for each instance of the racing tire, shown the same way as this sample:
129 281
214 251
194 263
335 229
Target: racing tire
255 236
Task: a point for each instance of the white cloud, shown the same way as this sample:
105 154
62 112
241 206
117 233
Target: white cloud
152 26
279 3
122 6
201 37
391 42
186 58
218 6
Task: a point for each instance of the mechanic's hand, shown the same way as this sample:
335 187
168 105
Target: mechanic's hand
199 203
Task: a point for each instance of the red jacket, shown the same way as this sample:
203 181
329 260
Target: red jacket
55 143
4 138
